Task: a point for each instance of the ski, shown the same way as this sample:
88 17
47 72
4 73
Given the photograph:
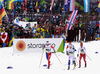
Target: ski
45 65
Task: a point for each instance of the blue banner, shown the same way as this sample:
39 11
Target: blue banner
67 3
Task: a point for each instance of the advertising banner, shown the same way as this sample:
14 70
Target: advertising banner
36 45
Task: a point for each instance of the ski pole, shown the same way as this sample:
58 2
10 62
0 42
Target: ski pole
58 58
76 61
41 58
88 57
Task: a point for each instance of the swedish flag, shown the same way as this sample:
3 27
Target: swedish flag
11 40
17 19
0 36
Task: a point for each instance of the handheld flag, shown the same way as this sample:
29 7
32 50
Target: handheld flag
2 14
4 38
36 5
99 7
86 5
11 40
17 21
72 5
51 4
67 3
9 4
71 20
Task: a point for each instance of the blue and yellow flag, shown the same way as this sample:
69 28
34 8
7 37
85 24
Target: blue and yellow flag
17 19
11 40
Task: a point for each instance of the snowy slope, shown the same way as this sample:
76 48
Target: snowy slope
28 63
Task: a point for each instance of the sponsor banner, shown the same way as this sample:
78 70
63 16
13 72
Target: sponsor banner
36 45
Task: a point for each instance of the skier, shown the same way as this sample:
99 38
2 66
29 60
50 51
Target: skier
82 51
48 48
70 44
70 52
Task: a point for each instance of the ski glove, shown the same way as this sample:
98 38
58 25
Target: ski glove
71 52
82 50
67 53
77 55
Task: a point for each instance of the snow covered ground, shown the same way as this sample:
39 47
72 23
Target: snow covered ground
28 63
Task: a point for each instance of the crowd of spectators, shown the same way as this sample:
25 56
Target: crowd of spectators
50 24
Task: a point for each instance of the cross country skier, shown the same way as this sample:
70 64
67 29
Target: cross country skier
82 51
70 44
48 48
70 52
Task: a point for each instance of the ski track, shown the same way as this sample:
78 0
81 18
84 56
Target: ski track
28 63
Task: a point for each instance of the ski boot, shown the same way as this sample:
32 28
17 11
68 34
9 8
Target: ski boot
79 66
74 65
68 67
48 67
85 65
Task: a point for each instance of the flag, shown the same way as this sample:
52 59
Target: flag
17 21
99 7
1 2
11 40
36 5
77 4
86 5
72 5
67 3
10 3
23 5
51 4
43 2
4 38
0 37
16 0
27 19
71 20
98 24
2 14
